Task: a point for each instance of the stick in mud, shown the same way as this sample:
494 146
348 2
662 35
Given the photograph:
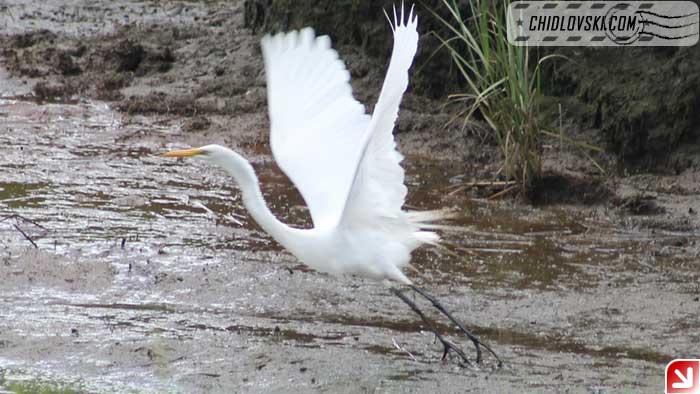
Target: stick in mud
26 236
17 217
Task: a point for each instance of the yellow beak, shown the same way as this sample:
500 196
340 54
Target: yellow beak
183 153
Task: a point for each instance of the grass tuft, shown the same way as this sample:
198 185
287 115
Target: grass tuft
504 86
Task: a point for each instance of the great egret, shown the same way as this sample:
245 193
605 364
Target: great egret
343 162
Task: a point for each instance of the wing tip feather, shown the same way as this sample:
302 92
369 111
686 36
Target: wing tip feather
401 20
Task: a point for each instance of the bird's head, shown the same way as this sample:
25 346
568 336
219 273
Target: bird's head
216 154
203 152
213 153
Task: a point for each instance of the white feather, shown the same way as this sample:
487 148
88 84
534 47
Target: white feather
316 127
344 162
378 192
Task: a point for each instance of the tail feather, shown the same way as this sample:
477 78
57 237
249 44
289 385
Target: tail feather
427 237
431 216
422 220
445 227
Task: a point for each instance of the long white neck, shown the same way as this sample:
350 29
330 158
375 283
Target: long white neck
253 200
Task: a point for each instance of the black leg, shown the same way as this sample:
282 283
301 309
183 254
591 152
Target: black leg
445 343
448 345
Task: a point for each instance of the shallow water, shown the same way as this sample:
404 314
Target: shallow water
148 276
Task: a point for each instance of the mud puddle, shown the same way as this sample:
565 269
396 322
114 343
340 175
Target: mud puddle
125 272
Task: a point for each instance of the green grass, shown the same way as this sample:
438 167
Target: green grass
504 86
34 387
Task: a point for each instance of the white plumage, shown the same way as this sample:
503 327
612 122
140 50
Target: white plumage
343 161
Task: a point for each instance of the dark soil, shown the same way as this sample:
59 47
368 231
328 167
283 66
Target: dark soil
641 103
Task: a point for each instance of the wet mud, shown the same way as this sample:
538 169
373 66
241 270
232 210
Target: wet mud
123 272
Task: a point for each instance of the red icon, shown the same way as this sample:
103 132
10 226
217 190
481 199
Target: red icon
683 376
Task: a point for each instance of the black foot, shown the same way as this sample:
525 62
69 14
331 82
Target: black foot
445 343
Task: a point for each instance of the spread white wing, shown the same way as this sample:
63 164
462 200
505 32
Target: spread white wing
317 128
378 191
343 162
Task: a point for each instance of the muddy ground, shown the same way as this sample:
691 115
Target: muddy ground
132 273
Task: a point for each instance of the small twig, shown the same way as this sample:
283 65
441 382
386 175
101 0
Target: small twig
457 190
198 204
26 236
490 183
502 193
561 131
397 346
238 215
17 217
482 184
233 219
447 250
6 9
469 185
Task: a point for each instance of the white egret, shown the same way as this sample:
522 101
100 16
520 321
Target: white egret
343 162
